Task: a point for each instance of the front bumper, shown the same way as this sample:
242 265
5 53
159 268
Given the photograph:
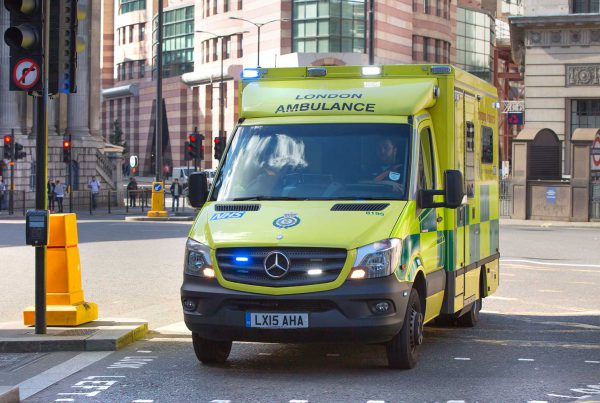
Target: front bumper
342 314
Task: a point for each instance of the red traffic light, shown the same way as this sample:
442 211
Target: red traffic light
217 140
66 144
7 139
193 138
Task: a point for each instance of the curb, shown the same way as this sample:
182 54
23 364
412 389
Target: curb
174 218
547 224
100 340
9 394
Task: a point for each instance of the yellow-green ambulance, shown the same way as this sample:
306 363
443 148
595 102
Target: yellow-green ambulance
351 204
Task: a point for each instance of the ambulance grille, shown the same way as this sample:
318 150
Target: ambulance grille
237 207
281 305
359 206
251 269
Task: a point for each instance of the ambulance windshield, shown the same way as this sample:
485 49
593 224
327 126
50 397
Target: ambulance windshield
358 161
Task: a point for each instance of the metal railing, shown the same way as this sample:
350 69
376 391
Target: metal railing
506 197
595 200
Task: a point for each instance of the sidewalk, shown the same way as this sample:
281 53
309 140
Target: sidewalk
536 223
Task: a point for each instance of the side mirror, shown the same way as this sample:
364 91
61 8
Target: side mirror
453 192
197 189
453 188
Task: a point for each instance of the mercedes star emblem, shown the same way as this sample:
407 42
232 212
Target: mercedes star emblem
277 265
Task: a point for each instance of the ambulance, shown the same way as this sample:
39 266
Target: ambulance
352 204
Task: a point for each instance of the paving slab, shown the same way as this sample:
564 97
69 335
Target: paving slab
9 394
101 335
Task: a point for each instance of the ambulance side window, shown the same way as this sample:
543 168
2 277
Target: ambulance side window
426 161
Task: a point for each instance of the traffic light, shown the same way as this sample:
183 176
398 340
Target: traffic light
187 151
219 147
196 149
24 38
19 153
67 151
8 147
64 43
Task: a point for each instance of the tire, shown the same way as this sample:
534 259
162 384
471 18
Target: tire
471 318
211 351
403 349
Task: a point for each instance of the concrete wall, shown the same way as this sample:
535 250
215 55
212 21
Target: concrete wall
546 7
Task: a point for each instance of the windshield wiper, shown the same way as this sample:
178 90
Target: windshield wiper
259 198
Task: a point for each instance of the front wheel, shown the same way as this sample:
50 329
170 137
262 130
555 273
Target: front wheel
403 349
211 351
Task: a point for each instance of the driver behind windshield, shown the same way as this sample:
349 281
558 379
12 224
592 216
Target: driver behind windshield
388 170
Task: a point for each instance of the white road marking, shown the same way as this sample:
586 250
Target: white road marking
554 291
265 353
375 401
526 359
64 400
133 362
298 401
144 351
142 401
220 401
501 298
462 359
592 362
455 401
537 401
40 382
597 266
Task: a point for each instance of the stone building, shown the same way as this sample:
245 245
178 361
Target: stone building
557 45
76 114
301 32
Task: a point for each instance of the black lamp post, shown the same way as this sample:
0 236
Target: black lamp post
259 25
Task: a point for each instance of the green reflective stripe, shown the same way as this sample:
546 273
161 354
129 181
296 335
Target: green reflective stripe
494 236
484 203
428 220
474 243
450 250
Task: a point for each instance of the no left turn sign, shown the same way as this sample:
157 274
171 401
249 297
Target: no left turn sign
26 74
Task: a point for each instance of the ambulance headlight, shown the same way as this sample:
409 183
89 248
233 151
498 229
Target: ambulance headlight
371 71
197 260
378 259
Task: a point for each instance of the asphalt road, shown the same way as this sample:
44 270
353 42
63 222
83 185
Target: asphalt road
538 338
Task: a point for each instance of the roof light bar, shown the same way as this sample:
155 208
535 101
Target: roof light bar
441 70
250 74
316 71
371 71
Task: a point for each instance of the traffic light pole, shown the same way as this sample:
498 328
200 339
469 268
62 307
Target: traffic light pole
41 198
11 194
159 100
70 175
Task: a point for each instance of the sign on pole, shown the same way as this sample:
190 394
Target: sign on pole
26 74
595 154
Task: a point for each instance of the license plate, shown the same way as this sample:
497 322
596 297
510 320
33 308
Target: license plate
277 320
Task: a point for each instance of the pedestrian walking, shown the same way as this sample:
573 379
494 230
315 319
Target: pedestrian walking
94 187
132 188
59 191
51 195
176 190
2 193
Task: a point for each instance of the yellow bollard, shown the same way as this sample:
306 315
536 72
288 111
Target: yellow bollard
64 295
158 200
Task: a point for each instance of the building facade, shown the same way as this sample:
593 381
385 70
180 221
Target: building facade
75 114
557 44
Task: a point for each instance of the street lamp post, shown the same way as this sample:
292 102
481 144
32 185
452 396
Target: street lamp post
221 88
258 25
159 100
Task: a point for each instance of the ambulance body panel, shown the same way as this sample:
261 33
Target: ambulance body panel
311 232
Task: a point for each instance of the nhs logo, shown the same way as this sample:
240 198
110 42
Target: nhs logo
227 215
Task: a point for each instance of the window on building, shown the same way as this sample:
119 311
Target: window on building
328 26
586 6
142 32
414 6
131 33
239 4
130 70
585 113
240 49
426 49
438 8
225 5
513 7
178 41
142 67
127 6
426 6
415 54
215 45
214 7
226 47
474 37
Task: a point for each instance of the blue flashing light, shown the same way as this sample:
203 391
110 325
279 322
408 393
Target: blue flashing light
250 74
441 70
242 259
